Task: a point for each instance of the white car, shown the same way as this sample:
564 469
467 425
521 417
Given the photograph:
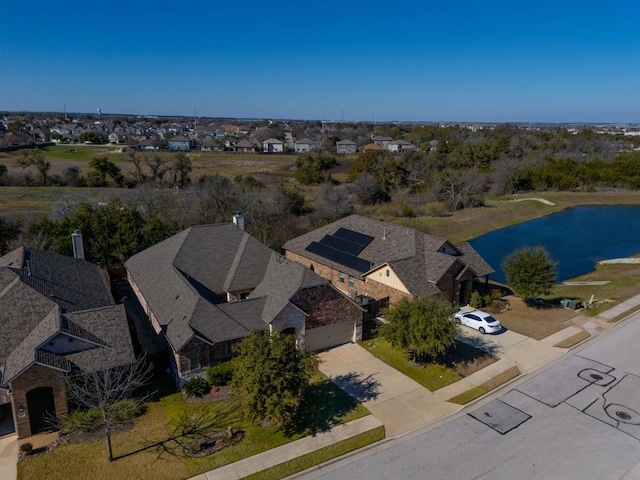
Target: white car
481 321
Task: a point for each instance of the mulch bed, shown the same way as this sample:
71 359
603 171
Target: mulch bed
213 443
222 393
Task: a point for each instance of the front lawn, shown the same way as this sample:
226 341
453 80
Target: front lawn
151 448
462 361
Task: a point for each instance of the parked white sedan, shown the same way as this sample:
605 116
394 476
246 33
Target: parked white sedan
481 321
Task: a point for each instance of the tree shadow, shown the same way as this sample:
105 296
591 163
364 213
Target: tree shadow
473 347
327 402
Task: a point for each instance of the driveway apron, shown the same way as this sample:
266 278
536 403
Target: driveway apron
399 402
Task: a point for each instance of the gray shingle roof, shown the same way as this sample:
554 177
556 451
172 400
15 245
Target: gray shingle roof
282 280
185 278
45 296
72 283
417 258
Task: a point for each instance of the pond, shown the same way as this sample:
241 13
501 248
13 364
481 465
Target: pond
576 238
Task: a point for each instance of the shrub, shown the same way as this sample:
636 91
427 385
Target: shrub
126 409
81 420
26 448
220 374
196 387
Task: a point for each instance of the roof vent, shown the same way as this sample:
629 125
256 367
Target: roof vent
238 220
78 244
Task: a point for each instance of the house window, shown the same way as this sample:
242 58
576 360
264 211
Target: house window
352 281
341 277
225 350
387 272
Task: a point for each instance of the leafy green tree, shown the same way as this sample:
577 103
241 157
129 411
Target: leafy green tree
530 272
424 327
112 233
313 169
9 231
103 168
272 375
181 168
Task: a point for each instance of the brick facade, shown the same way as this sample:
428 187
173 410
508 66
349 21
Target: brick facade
326 306
36 376
207 355
367 286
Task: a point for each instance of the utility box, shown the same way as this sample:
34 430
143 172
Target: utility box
571 303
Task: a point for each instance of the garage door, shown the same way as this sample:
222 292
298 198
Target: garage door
329 336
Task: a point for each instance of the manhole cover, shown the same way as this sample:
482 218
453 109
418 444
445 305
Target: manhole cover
597 377
623 415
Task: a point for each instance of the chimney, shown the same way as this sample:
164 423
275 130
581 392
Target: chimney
78 245
238 220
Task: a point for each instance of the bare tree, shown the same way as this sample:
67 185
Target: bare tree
103 387
158 166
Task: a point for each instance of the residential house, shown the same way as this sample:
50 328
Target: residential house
346 146
400 146
304 145
180 142
210 144
366 257
57 316
246 146
207 287
273 145
114 138
372 146
381 141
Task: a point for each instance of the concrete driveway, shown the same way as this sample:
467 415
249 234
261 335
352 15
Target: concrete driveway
399 402
9 457
524 352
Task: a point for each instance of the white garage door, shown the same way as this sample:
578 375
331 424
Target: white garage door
329 336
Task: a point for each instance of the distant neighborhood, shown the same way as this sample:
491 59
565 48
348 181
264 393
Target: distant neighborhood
146 133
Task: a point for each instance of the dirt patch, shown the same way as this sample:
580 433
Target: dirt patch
536 323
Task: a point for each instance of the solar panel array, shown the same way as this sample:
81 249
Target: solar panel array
343 247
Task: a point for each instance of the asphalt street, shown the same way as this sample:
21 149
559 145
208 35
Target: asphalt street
578 419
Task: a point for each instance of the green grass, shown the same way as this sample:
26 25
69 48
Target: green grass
430 375
319 456
149 449
480 390
82 152
573 340
35 202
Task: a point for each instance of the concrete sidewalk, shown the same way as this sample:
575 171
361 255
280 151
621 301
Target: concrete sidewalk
9 457
284 453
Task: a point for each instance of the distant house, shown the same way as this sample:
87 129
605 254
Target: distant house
148 145
346 146
304 145
273 145
245 146
57 316
400 146
372 146
180 142
210 144
381 141
114 138
366 257
207 287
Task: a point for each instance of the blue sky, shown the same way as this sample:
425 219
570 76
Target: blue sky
496 61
